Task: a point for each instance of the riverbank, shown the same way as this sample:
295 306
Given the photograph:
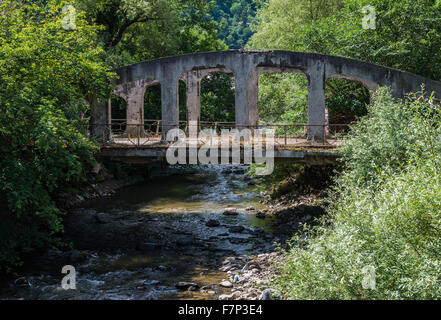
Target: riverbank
292 203
187 233
101 182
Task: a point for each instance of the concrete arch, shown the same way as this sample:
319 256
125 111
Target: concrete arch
245 65
253 87
133 93
193 80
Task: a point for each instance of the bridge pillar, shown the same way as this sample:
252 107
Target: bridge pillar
246 102
170 104
193 81
133 94
253 97
316 102
135 113
99 119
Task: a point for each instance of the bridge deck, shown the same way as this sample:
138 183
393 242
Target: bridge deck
279 142
144 150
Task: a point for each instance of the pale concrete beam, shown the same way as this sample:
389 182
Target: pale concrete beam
170 104
316 102
98 118
241 101
253 97
133 94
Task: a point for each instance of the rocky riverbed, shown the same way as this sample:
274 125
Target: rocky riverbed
199 233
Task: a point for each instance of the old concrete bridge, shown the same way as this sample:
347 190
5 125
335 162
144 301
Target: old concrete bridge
246 66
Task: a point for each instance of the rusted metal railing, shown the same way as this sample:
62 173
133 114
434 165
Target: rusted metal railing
151 131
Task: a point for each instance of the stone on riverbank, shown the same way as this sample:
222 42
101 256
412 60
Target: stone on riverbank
186 286
230 212
212 223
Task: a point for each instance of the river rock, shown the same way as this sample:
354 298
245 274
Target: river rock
226 284
77 256
269 236
236 229
183 242
260 215
266 295
226 297
22 282
212 223
147 246
239 170
103 218
250 209
186 285
230 212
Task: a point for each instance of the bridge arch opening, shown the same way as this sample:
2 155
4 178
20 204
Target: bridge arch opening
218 98
152 109
346 102
209 98
283 100
118 114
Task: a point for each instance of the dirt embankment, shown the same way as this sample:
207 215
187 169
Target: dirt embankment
101 182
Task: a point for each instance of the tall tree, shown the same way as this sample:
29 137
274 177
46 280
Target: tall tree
46 73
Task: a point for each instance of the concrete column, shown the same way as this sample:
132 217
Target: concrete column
241 101
133 94
98 119
170 104
316 101
135 113
193 82
253 97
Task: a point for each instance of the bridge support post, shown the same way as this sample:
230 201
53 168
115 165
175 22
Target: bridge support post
316 102
135 113
246 106
170 105
98 119
133 94
253 98
193 81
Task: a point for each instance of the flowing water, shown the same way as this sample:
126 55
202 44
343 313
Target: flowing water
153 235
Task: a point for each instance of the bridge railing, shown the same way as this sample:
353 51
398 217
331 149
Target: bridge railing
120 132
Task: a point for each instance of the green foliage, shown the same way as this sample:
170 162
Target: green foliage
46 73
235 18
138 30
384 212
218 98
407 37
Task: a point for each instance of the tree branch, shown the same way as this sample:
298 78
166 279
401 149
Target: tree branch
126 25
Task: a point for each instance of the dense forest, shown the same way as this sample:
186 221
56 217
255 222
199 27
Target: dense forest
235 20
384 208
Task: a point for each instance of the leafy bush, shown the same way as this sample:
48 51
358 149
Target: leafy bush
385 213
46 74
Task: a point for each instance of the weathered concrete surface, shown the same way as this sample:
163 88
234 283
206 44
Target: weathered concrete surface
246 65
99 118
147 155
133 94
193 80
